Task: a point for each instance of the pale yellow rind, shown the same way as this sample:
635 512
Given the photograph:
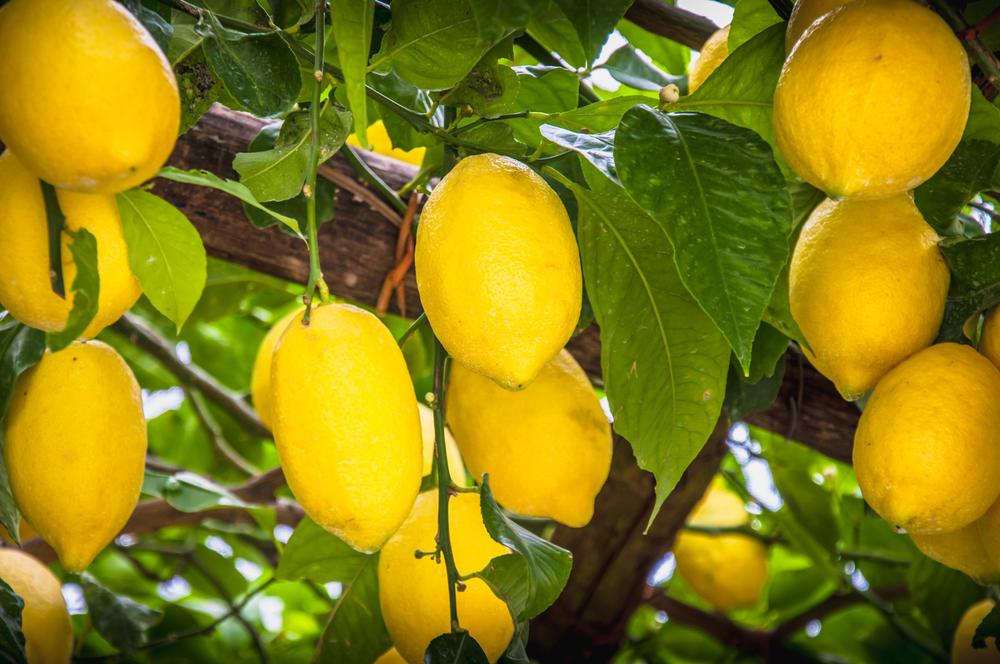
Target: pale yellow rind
867 287
804 15
927 447
455 466
75 449
45 621
547 448
345 423
973 550
713 52
413 592
498 268
381 144
862 111
260 379
962 651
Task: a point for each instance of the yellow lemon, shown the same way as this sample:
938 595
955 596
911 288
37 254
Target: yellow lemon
989 339
345 423
862 111
973 550
805 13
867 287
962 651
927 447
413 592
498 268
713 52
390 656
260 380
90 114
75 448
547 448
48 633
727 570
382 144
455 466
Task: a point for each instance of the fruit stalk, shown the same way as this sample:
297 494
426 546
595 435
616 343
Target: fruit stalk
443 482
315 272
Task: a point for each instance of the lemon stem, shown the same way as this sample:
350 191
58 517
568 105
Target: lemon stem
444 483
412 329
315 273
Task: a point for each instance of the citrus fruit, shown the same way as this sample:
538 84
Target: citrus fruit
390 656
455 466
382 144
805 13
25 284
989 338
345 423
547 448
24 532
498 268
862 111
713 52
413 592
867 287
45 623
927 447
260 380
962 651
75 448
973 550
86 114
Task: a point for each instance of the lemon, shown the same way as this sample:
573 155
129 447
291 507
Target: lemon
260 379
455 466
413 592
390 656
86 114
45 621
804 15
863 111
547 448
713 52
927 447
867 287
962 651
345 423
989 339
382 144
727 570
973 550
498 268
25 285
75 448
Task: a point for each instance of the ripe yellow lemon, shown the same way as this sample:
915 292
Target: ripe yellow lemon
728 570
962 651
345 423
25 286
75 448
260 380
547 448
713 52
390 656
862 111
96 115
413 592
382 144
455 466
48 633
867 287
804 14
989 339
927 447
973 550
498 268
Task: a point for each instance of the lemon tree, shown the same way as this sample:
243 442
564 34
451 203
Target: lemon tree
231 433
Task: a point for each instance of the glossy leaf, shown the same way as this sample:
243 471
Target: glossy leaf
942 595
11 637
259 70
672 57
165 253
546 89
313 553
626 67
490 89
975 281
455 648
717 193
189 492
664 362
505 576
554 31
10 516
597 149
160 30
119 619
20 348
199 87
355 632
84 291
351 21
497 18
750 17
757 391
593 20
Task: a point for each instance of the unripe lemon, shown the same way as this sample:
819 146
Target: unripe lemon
260 380
867 287
989 339
455 466
962 651
390 656
727 570
865 111
973 550
90 114
547 448
382 144
498 268
927 447
713 52
345 423
75 448
45 623
413 592
25 285
804 14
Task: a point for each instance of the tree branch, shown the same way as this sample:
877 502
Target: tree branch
671 22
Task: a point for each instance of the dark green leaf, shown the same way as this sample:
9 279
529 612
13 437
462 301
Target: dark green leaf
199 88
259 70
165 253
455 648
352 30
189 492
497 18
355 632
626 67
11 637
941 594
119 619
548 565
988 628
288 13
593 20
975 281
664 362
490 89
750 18
56 222
20 348
716 191
85 290
160 30
10 516
516 653
505 576
313 553
597 149
744 397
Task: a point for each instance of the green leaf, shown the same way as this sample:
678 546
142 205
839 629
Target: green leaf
664 362
548 565
505 576
455 648
10 516
11 637
666 54
546 89
553 30
199 88
232 187
497 18
313 553
165 253
355 632
941 594
808 503
749 394
352 30
56 222
259 70
593 20
86 290
716 191
490 89
21 347
597 149
988 628
626 67
597 117
750 18
189 492
975 281
160 30
119 619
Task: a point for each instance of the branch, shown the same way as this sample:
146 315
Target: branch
982 55
830 605
671 22
215 435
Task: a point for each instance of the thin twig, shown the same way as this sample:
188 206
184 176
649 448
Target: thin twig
215 435
373 200
983 56
404 259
